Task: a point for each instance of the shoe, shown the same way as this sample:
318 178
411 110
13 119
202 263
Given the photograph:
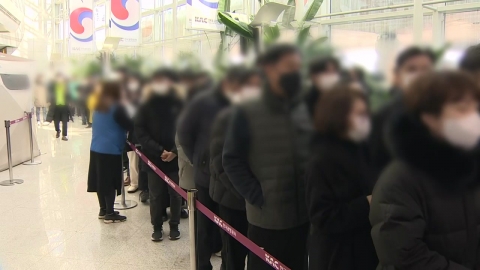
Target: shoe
114 218
132 189
57 135
89 126
144 196
157 235
64 138
84 124
184 213
174 233
46 123
39 124
126 182
102 213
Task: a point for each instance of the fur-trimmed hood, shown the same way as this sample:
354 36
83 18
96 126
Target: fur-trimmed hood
410 141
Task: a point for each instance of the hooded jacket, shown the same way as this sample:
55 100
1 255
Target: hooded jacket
425 211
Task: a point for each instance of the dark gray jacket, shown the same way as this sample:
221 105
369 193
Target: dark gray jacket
221 189
194 131
265 155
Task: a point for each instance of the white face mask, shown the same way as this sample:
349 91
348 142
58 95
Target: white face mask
160 88
463 132
327 81
408 78
234 97
251 93
133 86
361 129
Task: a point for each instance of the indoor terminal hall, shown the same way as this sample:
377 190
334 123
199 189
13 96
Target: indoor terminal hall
240 134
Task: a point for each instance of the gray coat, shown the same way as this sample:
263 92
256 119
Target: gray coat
185 168
265 155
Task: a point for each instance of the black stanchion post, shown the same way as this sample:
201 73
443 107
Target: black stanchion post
11 181
30 131
191 198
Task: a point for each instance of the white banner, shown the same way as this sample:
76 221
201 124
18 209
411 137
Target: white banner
125 21
81 26
202 15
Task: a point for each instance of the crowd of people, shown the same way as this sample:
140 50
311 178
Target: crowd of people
312 176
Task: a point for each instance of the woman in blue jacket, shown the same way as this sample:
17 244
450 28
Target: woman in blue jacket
109 133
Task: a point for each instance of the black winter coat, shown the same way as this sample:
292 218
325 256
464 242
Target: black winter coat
338 183
425 212
194 131
155 126
221 189
379 152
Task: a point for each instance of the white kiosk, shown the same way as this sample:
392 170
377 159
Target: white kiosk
16 98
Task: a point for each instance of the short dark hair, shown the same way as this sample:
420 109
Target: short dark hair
331 113
235 74
471 59
273 54
321 64
412 52
431 91
165 72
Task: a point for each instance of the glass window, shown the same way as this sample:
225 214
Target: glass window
158 27
168 23
167 2
147 28
15 81
147 5
60 30
181 20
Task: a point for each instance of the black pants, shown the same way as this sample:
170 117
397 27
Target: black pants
159 190
288 246
208 234
61 115
106 200
233 252
142 180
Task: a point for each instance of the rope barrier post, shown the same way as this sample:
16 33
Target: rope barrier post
124 204
12 181
191 198
30 131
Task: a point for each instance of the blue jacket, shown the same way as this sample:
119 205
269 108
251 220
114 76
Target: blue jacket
109 131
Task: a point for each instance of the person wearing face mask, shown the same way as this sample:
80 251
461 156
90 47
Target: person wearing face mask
155 125
265 153
131 98
324 74
194 134
425 210
410 63
59 111
339 185
231 204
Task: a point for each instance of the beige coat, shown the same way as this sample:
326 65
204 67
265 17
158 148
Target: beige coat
185 168
40 96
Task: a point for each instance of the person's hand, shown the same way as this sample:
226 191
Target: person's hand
369 198
168 156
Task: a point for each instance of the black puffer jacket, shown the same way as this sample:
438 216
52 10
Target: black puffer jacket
337 184
221 189
194 131
155 125
425 212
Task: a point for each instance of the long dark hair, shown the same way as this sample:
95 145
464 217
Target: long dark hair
109 91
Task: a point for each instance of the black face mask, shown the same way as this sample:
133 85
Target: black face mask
291 83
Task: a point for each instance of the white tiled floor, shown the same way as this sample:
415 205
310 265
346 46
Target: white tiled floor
50 221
